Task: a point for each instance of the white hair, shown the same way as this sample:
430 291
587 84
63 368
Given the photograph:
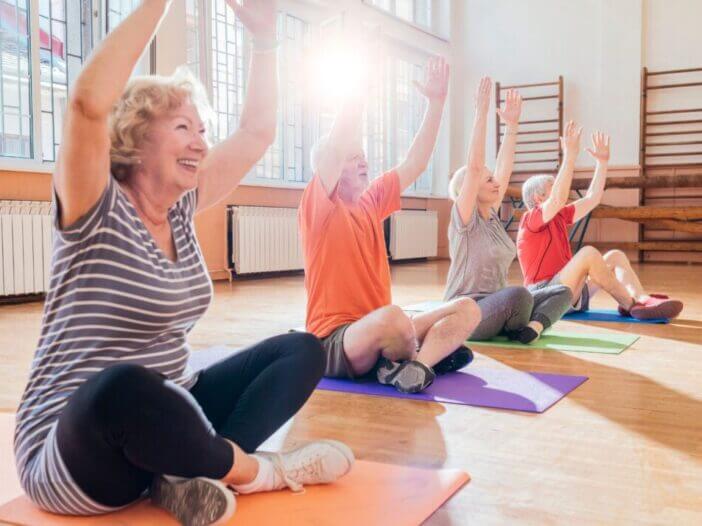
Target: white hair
316 152
456 182
534 186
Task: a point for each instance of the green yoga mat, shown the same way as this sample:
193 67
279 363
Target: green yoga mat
605 343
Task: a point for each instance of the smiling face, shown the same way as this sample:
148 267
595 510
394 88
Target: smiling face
354 175
489 189
174 146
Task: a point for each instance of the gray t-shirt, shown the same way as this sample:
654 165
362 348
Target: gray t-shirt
481 253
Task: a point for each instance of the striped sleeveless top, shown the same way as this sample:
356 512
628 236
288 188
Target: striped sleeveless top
114 297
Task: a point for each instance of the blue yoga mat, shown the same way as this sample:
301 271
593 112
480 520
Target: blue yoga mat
608 315
591 315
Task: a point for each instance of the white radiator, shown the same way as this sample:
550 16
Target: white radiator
414 234
25 247
265 239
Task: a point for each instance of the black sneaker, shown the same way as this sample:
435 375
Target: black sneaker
194 502
407 377
525 335
458 359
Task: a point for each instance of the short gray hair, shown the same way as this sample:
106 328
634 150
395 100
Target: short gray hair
316 152
534 186
456 182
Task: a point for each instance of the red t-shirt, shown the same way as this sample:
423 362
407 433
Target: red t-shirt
544 248
346 265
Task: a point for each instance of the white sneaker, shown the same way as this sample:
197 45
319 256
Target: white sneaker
194 502
318 462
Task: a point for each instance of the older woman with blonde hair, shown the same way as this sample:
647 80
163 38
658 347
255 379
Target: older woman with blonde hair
111 411
480 248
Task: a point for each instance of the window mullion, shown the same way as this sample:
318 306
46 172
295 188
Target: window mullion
205 45
35 79
282 123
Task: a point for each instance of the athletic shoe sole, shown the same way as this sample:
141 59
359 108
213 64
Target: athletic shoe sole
666 309
194 502
387 371
458 359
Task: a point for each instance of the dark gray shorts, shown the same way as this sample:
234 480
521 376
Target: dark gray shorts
337 363
583 303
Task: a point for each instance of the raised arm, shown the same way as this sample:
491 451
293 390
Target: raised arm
570 142
83 164
599 152
345 134
509 114
435 89
230 160
475 165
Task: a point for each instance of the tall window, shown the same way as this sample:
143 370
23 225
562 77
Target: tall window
286 159
30 127
407 108
416 11
15 80
227 68
65 39
393 113
118 10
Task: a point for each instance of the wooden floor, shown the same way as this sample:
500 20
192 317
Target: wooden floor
624 448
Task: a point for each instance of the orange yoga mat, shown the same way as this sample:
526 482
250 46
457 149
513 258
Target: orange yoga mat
373 493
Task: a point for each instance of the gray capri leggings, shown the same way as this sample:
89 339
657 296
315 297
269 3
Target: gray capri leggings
512 308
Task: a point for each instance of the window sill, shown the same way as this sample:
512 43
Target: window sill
31 166
426 30
420 195
282 185
8 164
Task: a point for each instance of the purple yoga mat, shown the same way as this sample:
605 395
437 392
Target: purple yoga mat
498 388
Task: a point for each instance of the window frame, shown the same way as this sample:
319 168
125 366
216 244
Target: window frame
437 14
98 21
314 15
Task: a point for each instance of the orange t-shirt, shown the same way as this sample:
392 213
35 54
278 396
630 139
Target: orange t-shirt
346 266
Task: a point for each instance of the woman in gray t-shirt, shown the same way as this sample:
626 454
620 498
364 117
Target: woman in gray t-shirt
481 251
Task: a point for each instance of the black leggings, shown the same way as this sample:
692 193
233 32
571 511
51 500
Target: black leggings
127 423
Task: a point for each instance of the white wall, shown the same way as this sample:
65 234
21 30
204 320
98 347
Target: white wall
594 44
673 36
600 47
673 40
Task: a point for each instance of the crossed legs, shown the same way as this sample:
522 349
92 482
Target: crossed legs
428 337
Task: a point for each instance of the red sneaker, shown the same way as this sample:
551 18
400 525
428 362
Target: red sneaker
657 306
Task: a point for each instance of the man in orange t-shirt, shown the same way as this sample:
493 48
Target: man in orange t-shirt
347 276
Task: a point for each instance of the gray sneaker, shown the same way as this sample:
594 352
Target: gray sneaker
407 377
194 502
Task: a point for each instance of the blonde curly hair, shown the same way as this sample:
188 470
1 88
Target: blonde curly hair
144 99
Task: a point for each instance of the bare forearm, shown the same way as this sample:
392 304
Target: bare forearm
259 115
476 148
564 179
505 156
346 129
594 193
597 185
104 77
423 144
345 133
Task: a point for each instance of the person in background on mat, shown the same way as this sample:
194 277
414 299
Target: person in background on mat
347 276
544 248
111 409
480 248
